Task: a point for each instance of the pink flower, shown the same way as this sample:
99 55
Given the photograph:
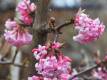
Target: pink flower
32 7
34 78
40 52
47 66
56 45
100 74
65 76
64 64
26 19
18 36
39 78
105 58
88 29
24 9
52 67
10 24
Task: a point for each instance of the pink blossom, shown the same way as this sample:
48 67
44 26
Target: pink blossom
105 58
26 19
64 64
32 7
40 52
56 45
40 78
34 78
65 76
88 29
47 66
52 67
10 24
24 9
100 74
18 36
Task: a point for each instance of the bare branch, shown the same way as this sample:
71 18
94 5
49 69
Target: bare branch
58 28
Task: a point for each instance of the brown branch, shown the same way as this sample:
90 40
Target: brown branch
58 28
89 69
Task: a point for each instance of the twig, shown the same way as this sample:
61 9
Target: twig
58 28
89 69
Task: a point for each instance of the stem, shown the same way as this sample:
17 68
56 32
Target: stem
58 28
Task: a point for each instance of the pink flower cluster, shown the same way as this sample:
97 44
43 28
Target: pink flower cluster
40 52
16 35
100 74
9 24
24 9
53 68
56 45
88 29
52 64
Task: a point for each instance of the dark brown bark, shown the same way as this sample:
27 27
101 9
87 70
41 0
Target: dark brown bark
41 15
39 35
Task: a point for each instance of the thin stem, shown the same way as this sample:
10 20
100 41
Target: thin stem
58 28
83 72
